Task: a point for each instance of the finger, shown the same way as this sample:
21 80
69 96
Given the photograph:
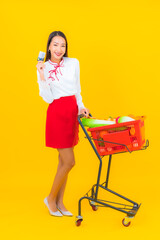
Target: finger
86 111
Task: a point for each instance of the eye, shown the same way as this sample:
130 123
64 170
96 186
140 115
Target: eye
57 45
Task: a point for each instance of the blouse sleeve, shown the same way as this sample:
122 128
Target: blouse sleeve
44 90
78 94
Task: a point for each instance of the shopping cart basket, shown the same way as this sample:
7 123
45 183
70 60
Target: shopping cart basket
109 140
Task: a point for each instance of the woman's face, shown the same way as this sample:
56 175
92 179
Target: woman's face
57 47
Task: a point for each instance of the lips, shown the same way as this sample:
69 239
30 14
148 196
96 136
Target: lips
58 54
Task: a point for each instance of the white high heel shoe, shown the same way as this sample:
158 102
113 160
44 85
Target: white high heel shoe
57 213
65 213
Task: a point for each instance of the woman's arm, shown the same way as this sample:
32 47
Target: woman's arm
78 94
44 89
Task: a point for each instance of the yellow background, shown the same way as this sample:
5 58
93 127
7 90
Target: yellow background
117 44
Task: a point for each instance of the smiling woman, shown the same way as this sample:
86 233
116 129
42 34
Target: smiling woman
59 85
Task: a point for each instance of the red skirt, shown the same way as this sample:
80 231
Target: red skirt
62 126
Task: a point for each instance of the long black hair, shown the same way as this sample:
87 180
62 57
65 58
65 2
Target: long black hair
53 34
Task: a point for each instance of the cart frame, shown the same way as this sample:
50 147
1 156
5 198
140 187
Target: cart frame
92 194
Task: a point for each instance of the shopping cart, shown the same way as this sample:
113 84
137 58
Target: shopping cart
109 140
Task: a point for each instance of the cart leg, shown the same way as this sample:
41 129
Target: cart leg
98 179
109 165
79 218
79 207
93 193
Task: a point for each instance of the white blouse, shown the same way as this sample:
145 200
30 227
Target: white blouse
61 79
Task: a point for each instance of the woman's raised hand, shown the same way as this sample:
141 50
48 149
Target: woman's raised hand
40 66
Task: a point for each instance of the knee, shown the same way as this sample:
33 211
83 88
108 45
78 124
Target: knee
67 159
70 163
73 163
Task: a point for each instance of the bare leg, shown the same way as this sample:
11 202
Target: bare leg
59 199
68 161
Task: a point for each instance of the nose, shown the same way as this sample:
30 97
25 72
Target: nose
59 49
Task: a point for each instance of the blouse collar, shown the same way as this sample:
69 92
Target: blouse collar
54 63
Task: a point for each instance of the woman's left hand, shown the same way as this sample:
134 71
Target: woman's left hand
85 111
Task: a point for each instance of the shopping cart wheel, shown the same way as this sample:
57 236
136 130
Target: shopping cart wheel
78 221
126 222
95 208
